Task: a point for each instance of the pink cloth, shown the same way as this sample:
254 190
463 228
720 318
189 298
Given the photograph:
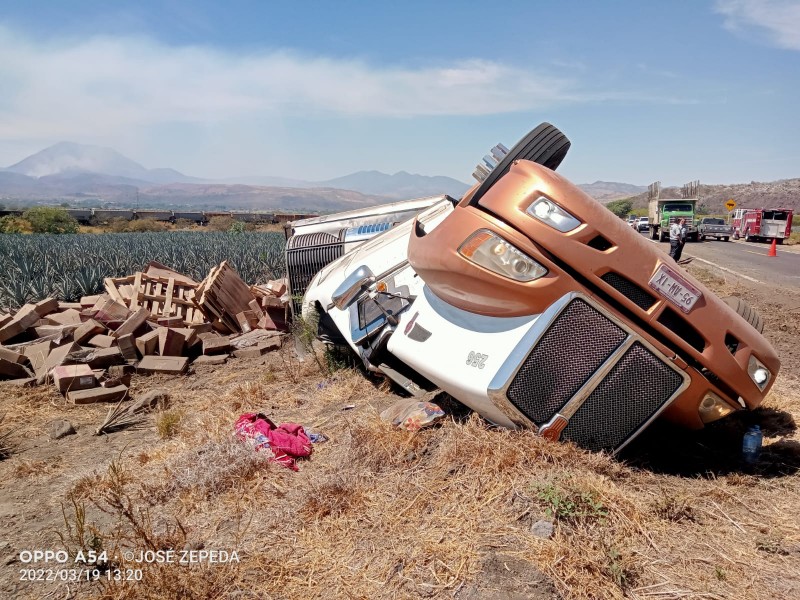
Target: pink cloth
286 441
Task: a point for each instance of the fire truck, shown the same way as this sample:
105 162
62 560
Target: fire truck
762 224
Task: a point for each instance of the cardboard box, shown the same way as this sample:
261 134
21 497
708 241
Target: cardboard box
74 377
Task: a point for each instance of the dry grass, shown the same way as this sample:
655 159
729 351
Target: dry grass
168 423
378 512
383 513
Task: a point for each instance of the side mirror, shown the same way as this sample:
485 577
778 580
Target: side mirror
352 287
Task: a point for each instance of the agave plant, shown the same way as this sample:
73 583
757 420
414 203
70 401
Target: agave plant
70 266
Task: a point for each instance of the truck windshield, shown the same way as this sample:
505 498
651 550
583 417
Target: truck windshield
713 221
677 208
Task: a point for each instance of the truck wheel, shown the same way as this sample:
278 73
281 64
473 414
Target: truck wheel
653 233
662 237
747 312
702 238
736 235
545 145
725 239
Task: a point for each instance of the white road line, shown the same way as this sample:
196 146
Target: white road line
726 269
720 267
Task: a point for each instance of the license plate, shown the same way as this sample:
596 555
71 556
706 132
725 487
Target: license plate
675 288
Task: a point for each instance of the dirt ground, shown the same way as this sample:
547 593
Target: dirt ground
461 510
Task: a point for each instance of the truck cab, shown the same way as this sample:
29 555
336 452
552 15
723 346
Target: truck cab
665 212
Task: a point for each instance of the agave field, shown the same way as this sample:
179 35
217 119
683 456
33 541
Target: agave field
34 267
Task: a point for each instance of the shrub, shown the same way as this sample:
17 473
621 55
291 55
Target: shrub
144 225
10 224
45 219
220 223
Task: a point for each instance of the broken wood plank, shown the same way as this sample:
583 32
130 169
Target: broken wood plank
111 290
137 285
168 294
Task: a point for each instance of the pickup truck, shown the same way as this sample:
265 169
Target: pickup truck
714 227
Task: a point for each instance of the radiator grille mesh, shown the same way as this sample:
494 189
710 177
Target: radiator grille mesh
635 388
571 350
305 256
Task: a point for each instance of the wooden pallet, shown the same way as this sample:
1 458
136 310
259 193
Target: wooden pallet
223 295
158 289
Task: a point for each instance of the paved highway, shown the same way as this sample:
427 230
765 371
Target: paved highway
748 259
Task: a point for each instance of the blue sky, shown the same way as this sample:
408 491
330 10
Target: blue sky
645 90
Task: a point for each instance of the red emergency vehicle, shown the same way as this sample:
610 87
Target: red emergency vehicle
762 224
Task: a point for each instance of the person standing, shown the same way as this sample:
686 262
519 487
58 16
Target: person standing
677 239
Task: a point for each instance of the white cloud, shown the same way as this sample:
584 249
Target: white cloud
102 85
778 19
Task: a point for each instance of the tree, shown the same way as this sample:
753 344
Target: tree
45 219
621 208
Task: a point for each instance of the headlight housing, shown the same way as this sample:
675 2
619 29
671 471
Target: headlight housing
758 372
713 408
547 211
494 253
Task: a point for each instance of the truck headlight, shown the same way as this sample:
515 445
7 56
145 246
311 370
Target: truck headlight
713 408
758 372
494 253
547 211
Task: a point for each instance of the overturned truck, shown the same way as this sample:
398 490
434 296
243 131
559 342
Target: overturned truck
535 306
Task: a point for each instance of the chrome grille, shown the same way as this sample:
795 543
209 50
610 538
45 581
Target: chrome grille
633 391
305 256
579 340
629 289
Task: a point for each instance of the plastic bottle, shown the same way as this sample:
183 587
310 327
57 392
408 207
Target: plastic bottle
751 444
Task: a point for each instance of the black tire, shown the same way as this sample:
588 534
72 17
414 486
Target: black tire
702 238
725 239
653 233
747 312
545 145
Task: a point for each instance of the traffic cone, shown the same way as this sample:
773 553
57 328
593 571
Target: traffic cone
773 249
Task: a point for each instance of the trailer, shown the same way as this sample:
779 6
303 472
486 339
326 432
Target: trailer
762 224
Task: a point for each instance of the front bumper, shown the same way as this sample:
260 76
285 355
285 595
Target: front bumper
573 372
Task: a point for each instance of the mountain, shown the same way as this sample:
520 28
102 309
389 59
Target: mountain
784 193
401 185
606 191
67 159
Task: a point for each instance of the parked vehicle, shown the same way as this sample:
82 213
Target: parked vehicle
714 227
643 224
632 222
666 211
762 224
534 305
